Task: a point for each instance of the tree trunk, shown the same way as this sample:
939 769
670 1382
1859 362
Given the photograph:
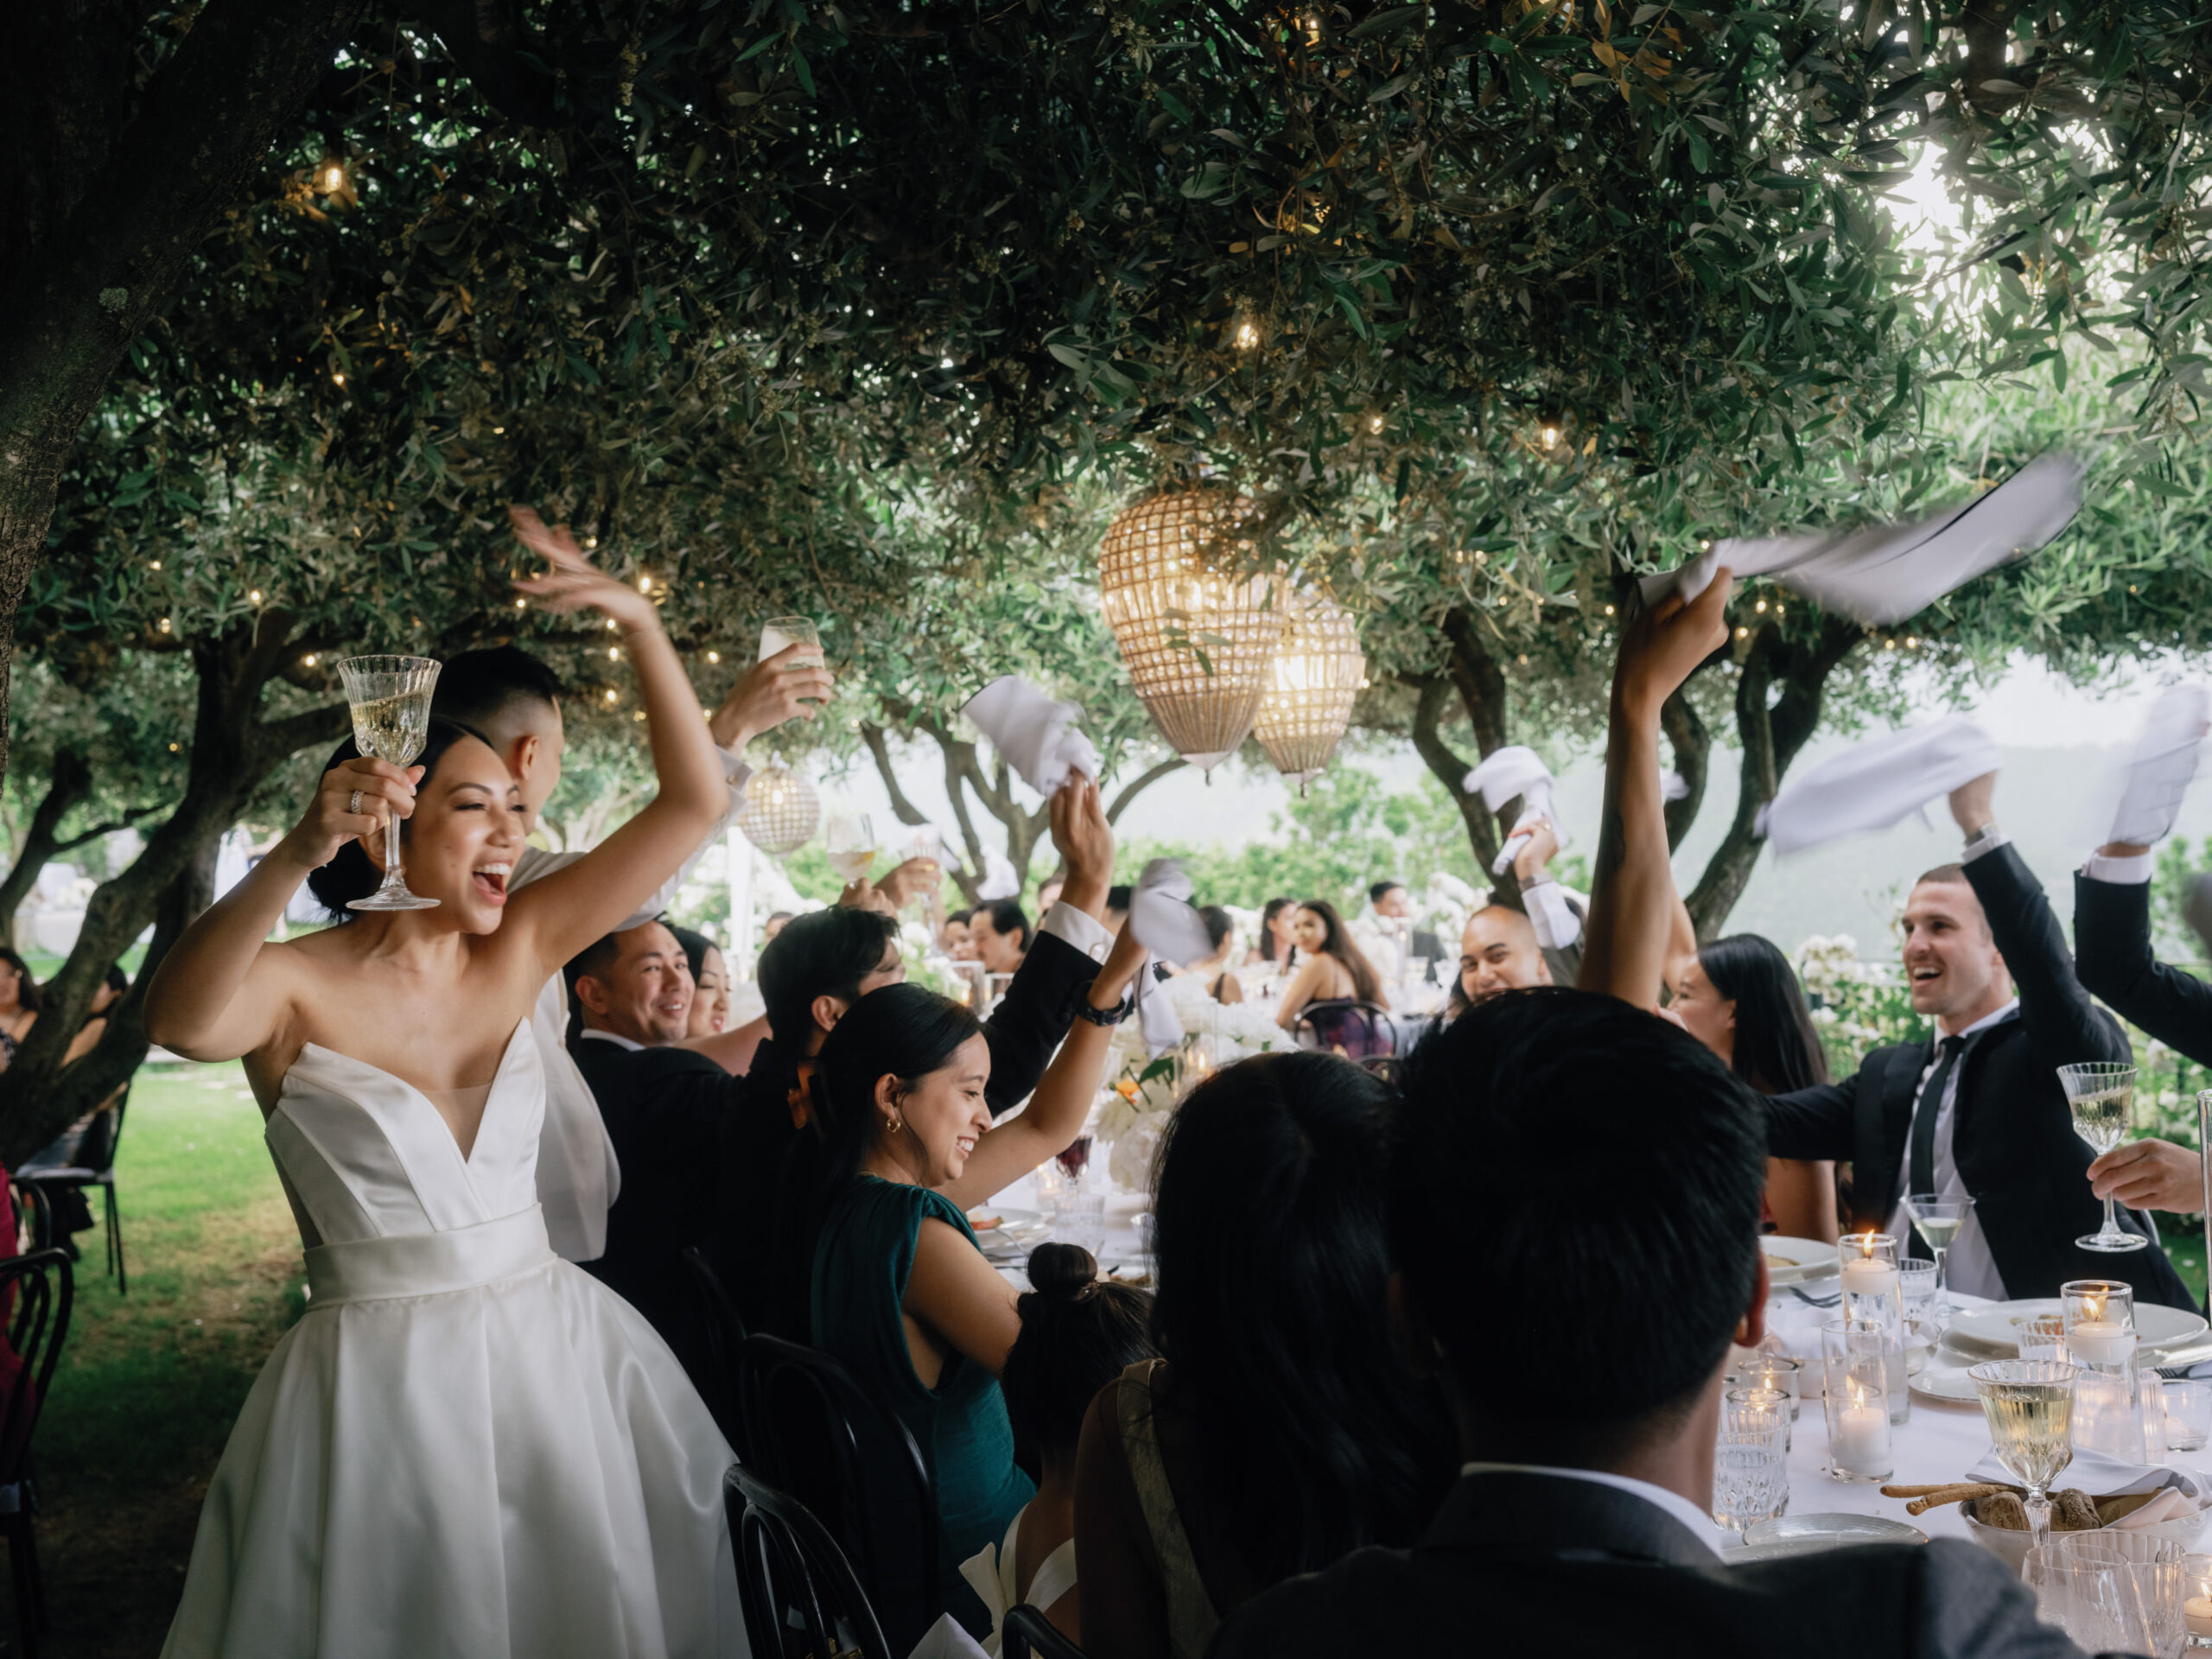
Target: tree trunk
99 226
1772 738
1450 770
232 751
71 782
1475 676
1140 783
1693 745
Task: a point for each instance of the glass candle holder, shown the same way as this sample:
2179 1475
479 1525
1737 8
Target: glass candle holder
2196 1603
1756 1408
1763 1370
2099 1320
1855 1379
2187 1402
2044 1337
1872 1291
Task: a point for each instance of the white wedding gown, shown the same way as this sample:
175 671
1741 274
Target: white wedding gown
468 1446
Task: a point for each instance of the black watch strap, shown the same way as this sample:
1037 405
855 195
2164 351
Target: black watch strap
1112 1016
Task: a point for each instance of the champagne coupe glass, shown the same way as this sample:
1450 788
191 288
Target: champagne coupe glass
2102 1095
851 842
1939 1220
780 632
390 697
926 845
2029 1406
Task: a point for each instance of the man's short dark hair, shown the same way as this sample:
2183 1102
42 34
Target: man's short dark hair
1942 873
1647 1246
1378 891
482 687
823 953
1007 917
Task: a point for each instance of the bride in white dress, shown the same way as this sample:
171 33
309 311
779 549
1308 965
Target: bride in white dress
466 1446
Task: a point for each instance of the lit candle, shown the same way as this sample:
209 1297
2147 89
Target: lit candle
2197 1613
1869 1276
2101 1342
1862 1436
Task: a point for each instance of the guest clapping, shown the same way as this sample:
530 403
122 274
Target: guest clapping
901 1293
1282 1427
1335 969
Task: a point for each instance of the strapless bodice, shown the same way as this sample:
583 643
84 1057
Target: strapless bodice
367 1156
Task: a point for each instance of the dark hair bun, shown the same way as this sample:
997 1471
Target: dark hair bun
1063 1273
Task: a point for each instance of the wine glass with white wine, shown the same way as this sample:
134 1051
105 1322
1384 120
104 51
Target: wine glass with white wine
2028 1405
2102 1095
1938 1219
851 842
391 699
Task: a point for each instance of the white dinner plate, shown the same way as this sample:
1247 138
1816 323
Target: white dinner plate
1833 1530
1797 1261
1946 1383
1996 1327
1018 1229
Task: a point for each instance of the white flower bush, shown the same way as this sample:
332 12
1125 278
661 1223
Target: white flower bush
1141 1093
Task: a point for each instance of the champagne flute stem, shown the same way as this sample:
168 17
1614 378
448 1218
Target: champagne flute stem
2038 1508
1942 1284
392 876
2112 1220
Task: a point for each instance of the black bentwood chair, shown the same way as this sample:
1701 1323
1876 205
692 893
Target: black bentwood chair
816 1433
725 1334
36 1293
1358 1031
93 1165
1027 1631
801 1598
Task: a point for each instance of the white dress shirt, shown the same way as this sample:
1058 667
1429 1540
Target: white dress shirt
1969 1267
1673 1503
2131 872
594 1034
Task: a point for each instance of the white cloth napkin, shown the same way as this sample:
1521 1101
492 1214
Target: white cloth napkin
1161 918
1886 573
1503 774
2166 754
2101 1475
1873 784
1036 735
946 1640
999 879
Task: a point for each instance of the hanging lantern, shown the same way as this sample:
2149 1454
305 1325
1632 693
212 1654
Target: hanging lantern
1196 630
782 812
1317 671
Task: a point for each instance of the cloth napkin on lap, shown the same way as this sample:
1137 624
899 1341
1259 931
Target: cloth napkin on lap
1873 785
1886 573
1036 735
2166 754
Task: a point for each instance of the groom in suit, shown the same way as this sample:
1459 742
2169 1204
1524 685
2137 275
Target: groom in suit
1977 1111
1582 1524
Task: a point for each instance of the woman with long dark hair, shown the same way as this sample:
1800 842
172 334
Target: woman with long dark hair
1740 998
1278 926
1281 1426
900 1291
20 1003
1336 970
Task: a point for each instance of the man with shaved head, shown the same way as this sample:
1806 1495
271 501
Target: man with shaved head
1498 952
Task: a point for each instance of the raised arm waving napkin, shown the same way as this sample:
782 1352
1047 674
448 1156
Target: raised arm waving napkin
1036 735
1873 784
2166 756
1503 774
1886 573
1163 922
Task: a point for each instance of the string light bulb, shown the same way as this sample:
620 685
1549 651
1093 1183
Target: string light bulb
714 656
1248 335
254 597
330 175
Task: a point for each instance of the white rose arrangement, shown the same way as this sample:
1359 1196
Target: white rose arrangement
1141 1093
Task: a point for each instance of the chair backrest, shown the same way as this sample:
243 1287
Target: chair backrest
1026 1631
95 1152
725 1334
1358 1031
801 1598
814 1432
38 1292
34 1215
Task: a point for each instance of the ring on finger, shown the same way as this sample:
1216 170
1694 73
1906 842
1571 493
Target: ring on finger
353 803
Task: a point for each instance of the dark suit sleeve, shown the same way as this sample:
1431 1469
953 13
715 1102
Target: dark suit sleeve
2062 1023
1967 1605
2111 945
1813 1123
1027 1027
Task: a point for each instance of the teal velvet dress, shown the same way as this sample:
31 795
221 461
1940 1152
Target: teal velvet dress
861 1261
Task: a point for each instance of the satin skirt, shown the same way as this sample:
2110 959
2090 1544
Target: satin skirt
466 1447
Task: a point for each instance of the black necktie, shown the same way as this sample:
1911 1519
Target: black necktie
1920 1168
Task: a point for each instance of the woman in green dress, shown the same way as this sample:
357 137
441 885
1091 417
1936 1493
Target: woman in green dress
901 1293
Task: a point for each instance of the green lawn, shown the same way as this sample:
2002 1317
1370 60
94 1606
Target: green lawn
149 1383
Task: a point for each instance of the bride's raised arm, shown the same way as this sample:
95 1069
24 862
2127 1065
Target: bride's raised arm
194 1006
565 911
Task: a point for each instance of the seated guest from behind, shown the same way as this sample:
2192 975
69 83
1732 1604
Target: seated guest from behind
1215 972
1281 1426
774 926
1580 1524
1740 998
1078 1333
900 1291
1000 933
1333 969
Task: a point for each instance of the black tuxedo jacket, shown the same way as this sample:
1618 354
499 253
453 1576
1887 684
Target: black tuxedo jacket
2112 945
1519 1564
769 1170
2012 1134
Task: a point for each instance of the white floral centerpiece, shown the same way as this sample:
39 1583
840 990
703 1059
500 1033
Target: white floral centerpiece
1141 1093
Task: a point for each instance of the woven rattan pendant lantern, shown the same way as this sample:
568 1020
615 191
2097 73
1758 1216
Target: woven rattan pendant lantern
1196 630
1318 670
782 812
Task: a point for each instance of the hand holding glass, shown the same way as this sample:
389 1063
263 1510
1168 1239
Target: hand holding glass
851 842
2102 1095
391 699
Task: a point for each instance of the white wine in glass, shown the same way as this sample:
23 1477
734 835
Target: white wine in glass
2029 1404
850 843
1938 1220
391 699
2102 1095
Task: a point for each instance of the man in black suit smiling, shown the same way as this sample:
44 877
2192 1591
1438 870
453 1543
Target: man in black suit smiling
1582 1337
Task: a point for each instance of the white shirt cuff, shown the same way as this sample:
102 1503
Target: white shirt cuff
736 774
1988 840
2131 872
1556 926
1086 933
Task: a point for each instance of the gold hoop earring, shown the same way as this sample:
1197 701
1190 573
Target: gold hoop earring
893 1125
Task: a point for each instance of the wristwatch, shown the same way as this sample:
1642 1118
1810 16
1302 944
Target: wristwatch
1112 1016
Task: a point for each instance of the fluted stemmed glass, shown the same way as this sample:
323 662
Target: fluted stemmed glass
391 699
2102 1095
2028 1405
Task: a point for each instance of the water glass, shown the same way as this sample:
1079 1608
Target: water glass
1750 1476
1082 1220
781 632
1769 1370
2043 1337
2189 1414
1756 1408
1855 1381
2197 1599
2112 1591
1916 1283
